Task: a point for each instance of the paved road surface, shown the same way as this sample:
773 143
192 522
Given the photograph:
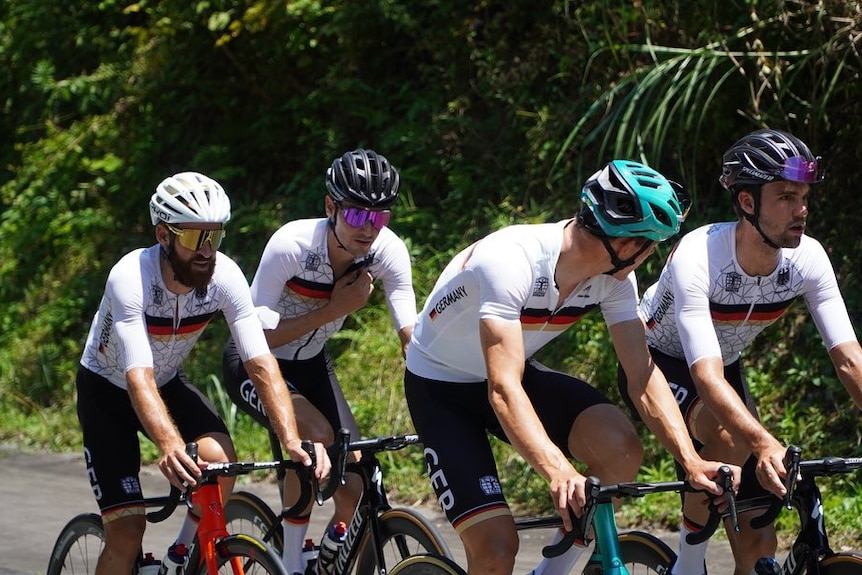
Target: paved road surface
39 493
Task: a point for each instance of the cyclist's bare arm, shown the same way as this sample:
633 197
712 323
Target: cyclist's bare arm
350 293
503 349
732 413
174 463
404 335
847 359
264 372
656 405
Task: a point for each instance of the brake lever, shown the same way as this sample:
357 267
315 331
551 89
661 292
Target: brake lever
791 463
726 478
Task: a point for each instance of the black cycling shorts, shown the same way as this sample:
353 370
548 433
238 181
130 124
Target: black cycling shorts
678 376
454 419
313 378
110 426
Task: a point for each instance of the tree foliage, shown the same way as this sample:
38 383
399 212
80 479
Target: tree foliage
494 113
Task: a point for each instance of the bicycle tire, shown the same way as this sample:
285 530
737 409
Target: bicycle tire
247 513
427 564
78 546
257 557
642 553
403 533
849 563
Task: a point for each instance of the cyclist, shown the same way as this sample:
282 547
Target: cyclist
723 285
156 304
313 273
470 370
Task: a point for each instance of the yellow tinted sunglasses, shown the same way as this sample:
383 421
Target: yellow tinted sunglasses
194 239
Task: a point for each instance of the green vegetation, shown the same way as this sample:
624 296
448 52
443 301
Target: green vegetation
494 113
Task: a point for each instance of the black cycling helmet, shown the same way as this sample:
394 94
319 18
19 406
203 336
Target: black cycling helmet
363 177
767 156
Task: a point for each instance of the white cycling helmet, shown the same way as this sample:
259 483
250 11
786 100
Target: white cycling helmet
189 197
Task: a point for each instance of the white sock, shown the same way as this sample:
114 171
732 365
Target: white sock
691 557
294 537
188 529
562 564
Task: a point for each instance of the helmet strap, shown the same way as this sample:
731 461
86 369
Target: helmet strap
754 219
620 264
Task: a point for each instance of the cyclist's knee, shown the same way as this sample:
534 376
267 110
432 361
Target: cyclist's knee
490 549
123 535
612 450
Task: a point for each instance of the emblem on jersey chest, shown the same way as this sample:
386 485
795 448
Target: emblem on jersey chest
732 282
540 288
312 261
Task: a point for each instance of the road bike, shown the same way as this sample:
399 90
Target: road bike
614 553
379 535
811 553
215 549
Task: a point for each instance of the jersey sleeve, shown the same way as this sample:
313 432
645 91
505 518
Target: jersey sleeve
824 300
278 263
239 311
124 289
690 281
621 302
396 274
505 280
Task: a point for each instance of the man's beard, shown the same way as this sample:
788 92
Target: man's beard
192 277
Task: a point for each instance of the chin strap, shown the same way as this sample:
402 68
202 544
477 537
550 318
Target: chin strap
754 220
620 264
332 227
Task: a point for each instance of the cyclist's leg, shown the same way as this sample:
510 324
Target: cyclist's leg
452 419
112 457
197 420
588 429
320 409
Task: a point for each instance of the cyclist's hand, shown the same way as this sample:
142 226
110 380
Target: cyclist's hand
770 469
568 490
705 475
351 291
297 453
180 469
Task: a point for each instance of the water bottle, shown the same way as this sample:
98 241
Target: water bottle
174 562
309 555
767 566
149 565
329 546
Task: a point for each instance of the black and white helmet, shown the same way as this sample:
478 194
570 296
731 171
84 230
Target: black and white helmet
363 177
766 156
189 197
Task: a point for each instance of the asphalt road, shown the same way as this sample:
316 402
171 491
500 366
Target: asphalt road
40 492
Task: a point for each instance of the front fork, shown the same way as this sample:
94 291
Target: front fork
607 550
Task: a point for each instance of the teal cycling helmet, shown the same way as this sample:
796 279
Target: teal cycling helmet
630 199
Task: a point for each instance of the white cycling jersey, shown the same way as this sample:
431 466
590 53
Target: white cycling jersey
705 305
295 277
141 323
509 275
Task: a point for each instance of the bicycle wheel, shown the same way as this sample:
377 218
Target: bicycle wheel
403 532
256 557
841 564
78 546
247 513
427 564
642 553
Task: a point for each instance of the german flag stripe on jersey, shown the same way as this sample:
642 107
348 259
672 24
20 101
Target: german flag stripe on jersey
308 288
562 319
164 326
743 312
